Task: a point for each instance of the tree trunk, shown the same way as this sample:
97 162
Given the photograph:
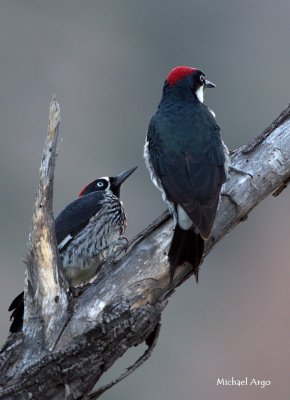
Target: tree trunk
68 342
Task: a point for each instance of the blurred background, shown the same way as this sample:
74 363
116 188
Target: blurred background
106 61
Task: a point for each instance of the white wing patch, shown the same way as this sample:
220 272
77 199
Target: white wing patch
66 240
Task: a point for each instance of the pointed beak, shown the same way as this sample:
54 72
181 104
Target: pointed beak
119 179
209 84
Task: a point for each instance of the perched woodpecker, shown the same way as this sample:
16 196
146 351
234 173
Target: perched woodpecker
187 160
87 231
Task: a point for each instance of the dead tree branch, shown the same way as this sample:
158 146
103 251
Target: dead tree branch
45 289
122 308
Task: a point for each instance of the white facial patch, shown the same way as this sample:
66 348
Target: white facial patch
105 178
184 221
199 93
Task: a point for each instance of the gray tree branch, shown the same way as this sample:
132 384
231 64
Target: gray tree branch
45 288
122 308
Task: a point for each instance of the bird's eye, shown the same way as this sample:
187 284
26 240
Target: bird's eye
100 184
201 78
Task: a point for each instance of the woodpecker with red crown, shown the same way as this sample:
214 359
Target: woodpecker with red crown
87 232
188 162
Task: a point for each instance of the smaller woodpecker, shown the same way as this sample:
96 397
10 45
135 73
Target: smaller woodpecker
87 231
187 161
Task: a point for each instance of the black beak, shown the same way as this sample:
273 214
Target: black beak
209 84
119 179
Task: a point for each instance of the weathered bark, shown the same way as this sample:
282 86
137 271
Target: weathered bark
123 306
45 289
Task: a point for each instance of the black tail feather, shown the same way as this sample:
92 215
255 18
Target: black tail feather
17 308
185 246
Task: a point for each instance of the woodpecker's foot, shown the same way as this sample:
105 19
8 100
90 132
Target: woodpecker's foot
77 291
120 246
240 171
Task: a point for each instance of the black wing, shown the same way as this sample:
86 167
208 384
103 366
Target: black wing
76 216
69 222
192 170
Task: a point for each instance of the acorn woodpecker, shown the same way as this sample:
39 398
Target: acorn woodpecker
188 162
87 231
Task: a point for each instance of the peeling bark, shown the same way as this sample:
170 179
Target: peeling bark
45 287
80 338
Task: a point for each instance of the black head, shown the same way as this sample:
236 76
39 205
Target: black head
188 80
108 183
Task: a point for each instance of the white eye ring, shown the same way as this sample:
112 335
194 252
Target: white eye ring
100 184
201 78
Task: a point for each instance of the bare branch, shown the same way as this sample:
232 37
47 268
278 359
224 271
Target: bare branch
151 345
45 290
123 306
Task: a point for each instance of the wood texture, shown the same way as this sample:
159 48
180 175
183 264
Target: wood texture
45 289
124 304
